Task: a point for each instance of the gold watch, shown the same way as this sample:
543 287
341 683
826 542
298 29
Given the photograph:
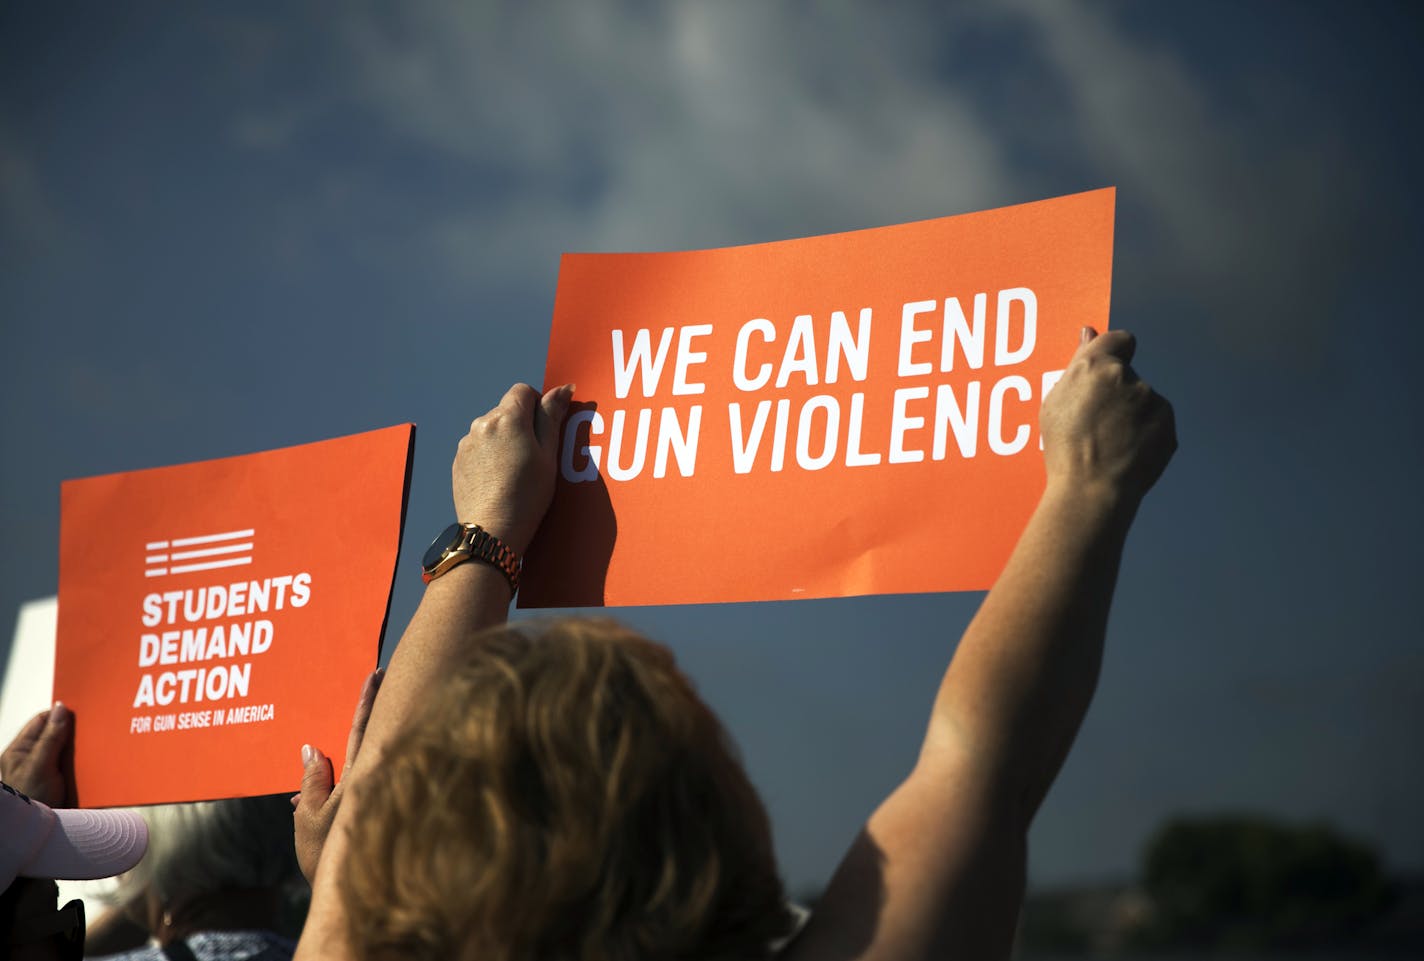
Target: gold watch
464 542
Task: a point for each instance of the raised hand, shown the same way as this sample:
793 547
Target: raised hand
320 797
1104 428
40 760
503 475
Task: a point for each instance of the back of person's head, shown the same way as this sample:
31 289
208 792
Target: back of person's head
564 795
211 847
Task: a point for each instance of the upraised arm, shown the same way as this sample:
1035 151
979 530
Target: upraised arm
503 480
938 871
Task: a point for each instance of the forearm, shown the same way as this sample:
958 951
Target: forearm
503 479
466 599
458 604
1025 671
939 869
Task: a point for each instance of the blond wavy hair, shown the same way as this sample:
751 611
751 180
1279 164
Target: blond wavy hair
564 795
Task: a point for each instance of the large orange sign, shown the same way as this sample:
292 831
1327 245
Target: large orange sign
847 414
214 617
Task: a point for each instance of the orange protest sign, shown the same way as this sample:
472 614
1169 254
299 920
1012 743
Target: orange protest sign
847 414
216 616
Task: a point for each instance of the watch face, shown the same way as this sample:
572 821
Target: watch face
448 538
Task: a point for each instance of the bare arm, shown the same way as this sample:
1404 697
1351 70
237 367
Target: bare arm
939 869
503 480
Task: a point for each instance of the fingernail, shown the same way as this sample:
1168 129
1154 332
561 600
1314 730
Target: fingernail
378 677
1085 335
307 753
60 713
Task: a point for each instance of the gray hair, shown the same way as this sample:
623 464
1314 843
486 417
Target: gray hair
210 846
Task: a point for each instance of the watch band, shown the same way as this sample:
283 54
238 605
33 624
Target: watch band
476 543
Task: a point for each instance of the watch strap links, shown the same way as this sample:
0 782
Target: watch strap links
484 546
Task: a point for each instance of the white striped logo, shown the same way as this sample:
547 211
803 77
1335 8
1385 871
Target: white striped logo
205 552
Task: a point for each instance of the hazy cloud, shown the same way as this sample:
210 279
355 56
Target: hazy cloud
636 127
1242 212
629 126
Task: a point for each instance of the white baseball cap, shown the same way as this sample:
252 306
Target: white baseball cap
37 841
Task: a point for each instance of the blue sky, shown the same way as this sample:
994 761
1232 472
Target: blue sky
230 229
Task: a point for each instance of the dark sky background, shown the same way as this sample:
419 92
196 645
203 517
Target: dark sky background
226 229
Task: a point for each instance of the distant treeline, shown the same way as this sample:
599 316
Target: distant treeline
1232 884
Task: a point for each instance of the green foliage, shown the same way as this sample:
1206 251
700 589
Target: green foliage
1251 882
1050 927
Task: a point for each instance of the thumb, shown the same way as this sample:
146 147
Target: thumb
549 418
1118 344
1085 337
317 779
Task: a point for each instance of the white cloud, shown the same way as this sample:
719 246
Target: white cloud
1252 218
625 126
634 127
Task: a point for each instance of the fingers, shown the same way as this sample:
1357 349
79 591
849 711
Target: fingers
317 777
544 413
22 746
1113 343
517 406
522 400
30 733
66 769
362 717
1086 336
1162 408
549 417
522 405
58 729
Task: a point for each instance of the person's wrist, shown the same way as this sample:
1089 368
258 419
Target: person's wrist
1096 497
482 544
500 521
472 578
507 533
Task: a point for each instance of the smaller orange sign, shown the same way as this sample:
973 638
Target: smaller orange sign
848 414
215 616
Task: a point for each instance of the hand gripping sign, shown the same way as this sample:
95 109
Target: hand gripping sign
848 414
214 617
